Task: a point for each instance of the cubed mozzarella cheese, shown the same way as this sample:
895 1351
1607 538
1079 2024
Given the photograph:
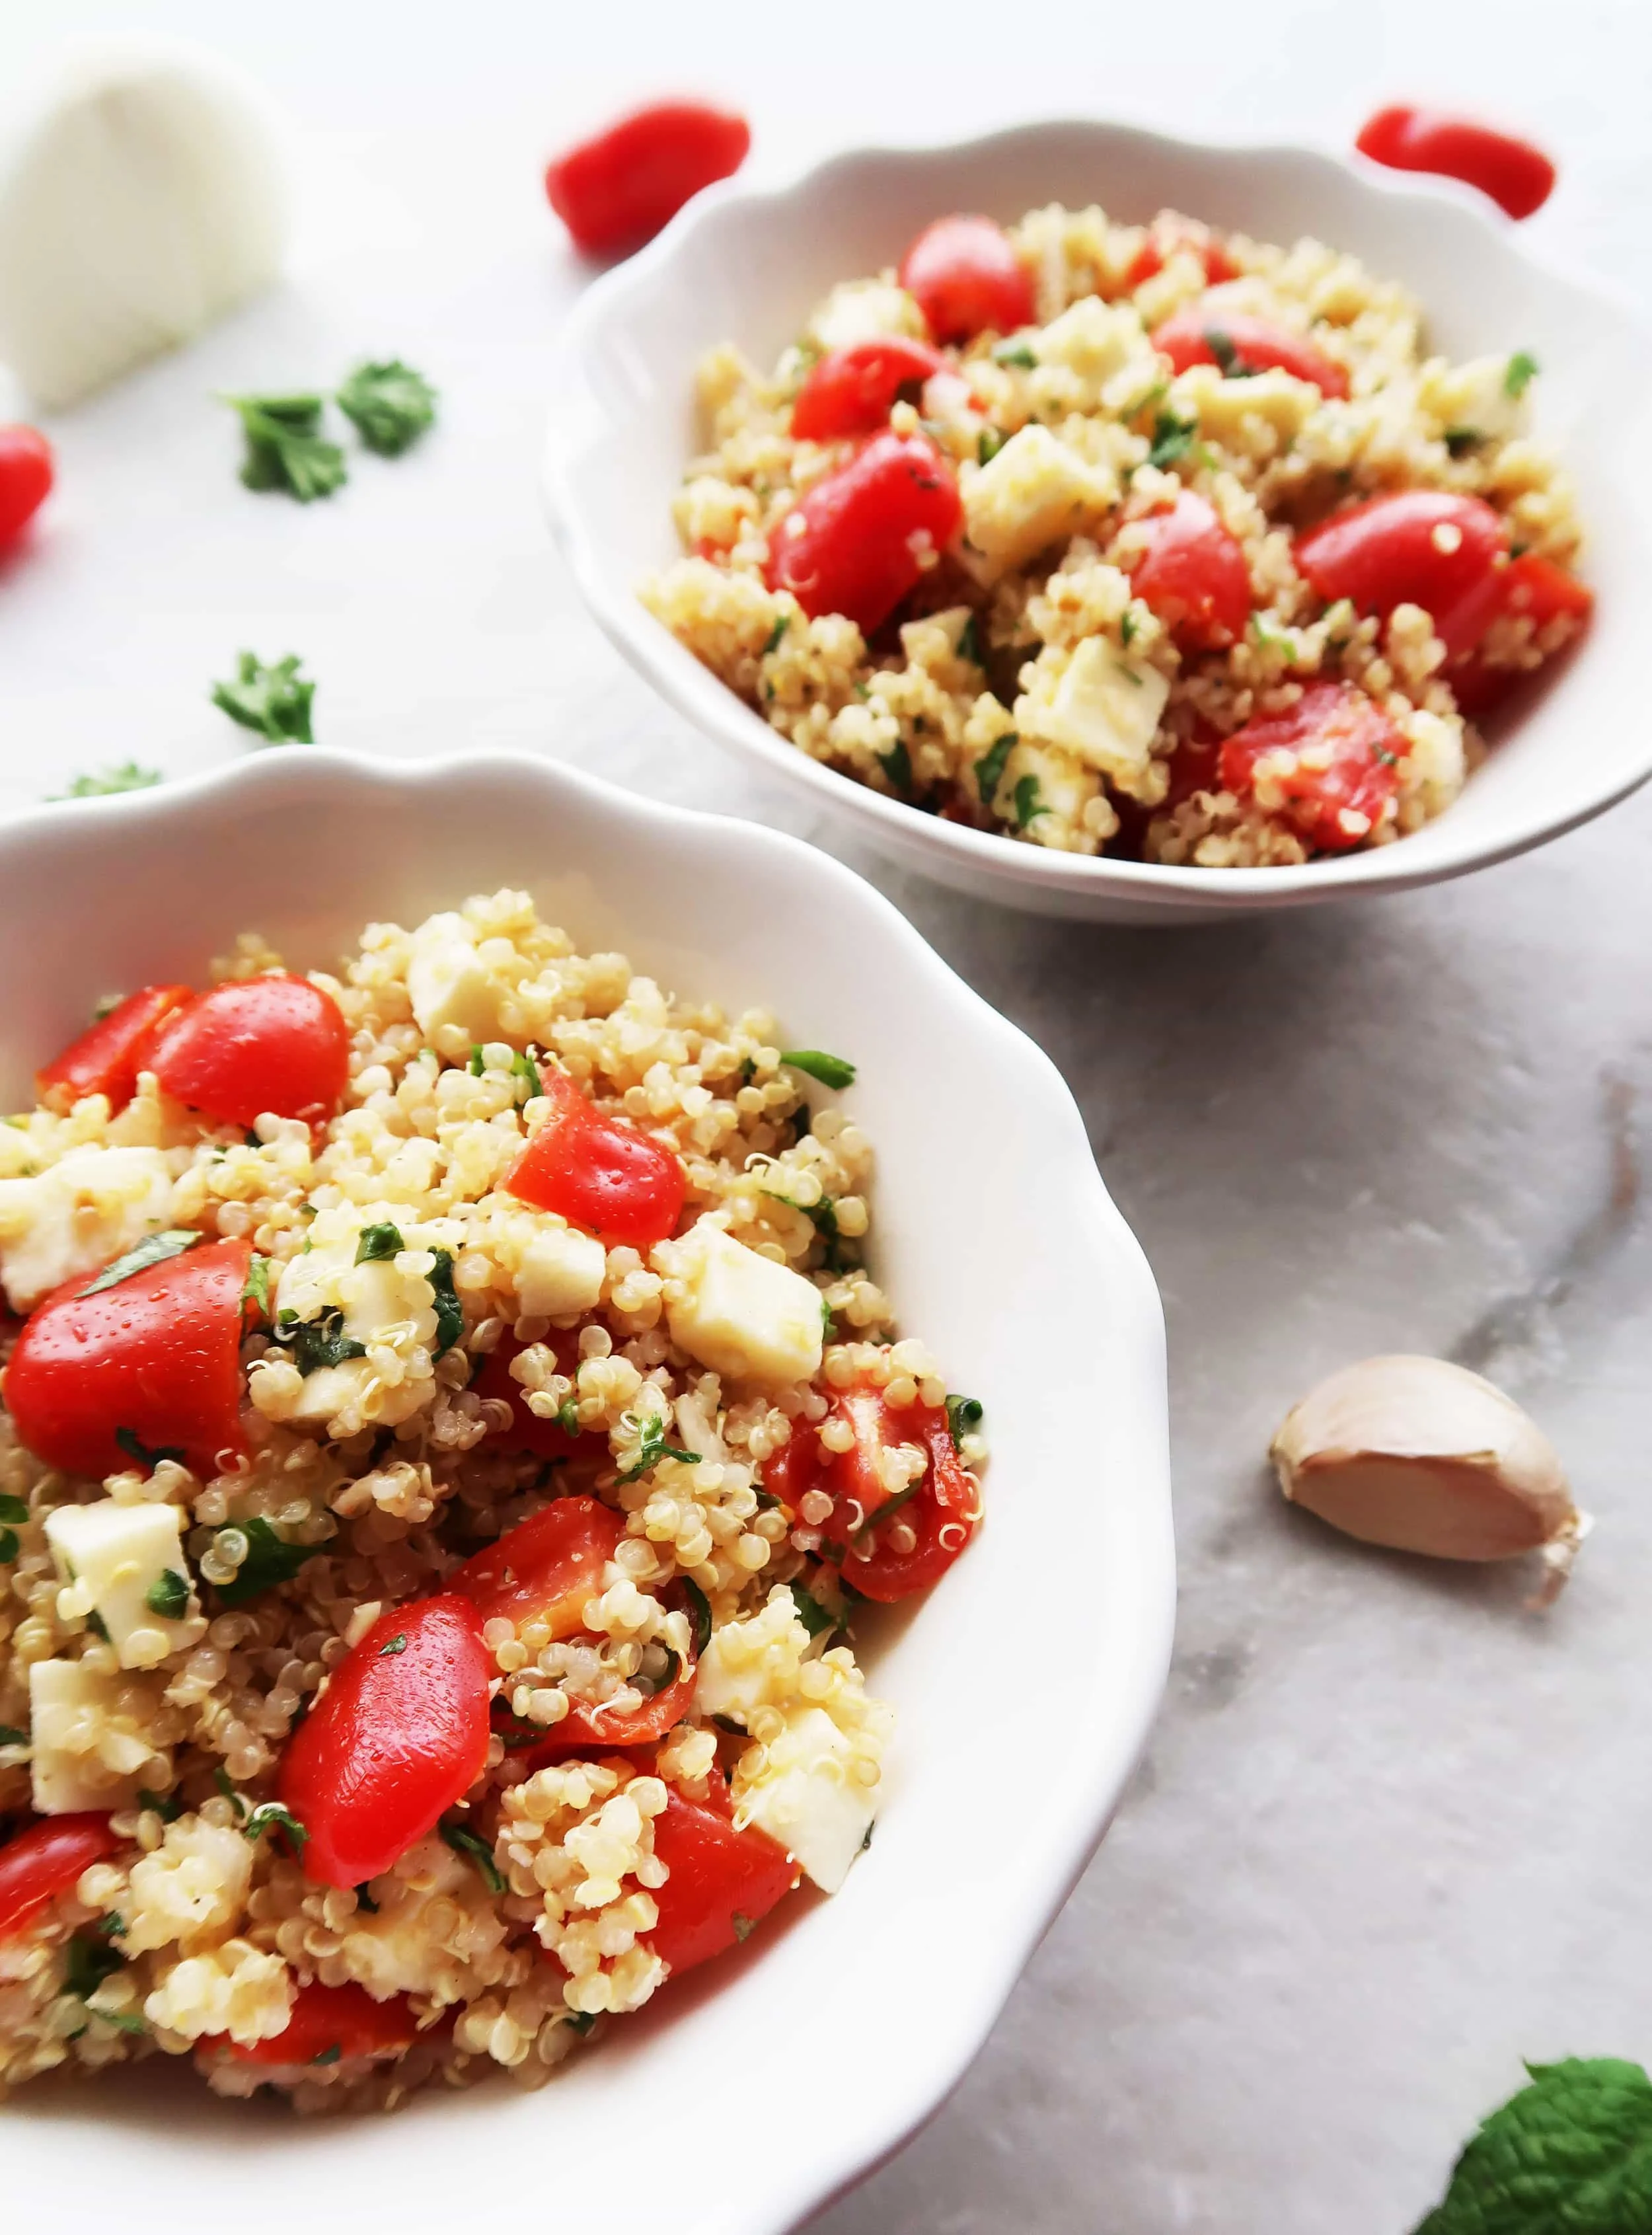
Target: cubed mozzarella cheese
1104 708
329 1391
78 1762
116 1555
1474 398
742 1314
1222 407
1036 491
754 1662
75 1215
1092 340
448 982
860 310
371 1297
560 1272
806 1797
1063 788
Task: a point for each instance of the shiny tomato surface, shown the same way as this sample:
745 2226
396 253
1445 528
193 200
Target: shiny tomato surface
45 1859
621 187
599 1172
27 471
1192 574
1207 332
1336 761
328 2023
1417 547
275 1044
851 544
1518 177
966 277
721 1882
104 1059
853 391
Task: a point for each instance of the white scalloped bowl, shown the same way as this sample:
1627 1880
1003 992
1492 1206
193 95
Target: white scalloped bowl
996 1236
746 264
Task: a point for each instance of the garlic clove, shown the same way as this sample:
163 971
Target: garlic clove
1426 1457
139 202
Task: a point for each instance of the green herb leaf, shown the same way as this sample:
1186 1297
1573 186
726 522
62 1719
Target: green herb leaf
450 1312
271 1816
989 769
285 448
813 1616
580 2022
1028 804
270 1560
320 1341
11 1735
275 701
1571 2151
896 765
988 444
364 1900
168 1596
478 1063
167 1806
1126 627
255 1289
393 1645
128 777
831 1071
463 1841
389 404
662 1683
1518 373
969 643
963 1413
221 1779
153 1249
1016 353
567 1416
1221 347
783 622
98 1627
328 2055
13 1509
524 1067
1172 438
827 1329
139 1452
699 1608
87 1962
652 1447
378 1242
1459 441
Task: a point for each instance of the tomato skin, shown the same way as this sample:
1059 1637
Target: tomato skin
1166 236
1533 588
159 1354
1383 554
1361 777
598 1172
392 1742
1517 176
27 471
716 1873
846 546
105 1057
966 277
853 391
618 189
1185 339
547 1439
1193 575
545 1568
325 2019
44 1860
255 1044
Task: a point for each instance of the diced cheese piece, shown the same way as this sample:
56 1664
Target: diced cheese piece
1093 339
371 1297
1037 490
560 1272
1065 787
448 982
75 1215
1222 406
115 1554
1103 707
1474 398
83 1757
806 1797
742 1314
329 1391
859 310
754 1662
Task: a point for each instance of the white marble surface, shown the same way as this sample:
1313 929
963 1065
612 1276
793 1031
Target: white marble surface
1391 1834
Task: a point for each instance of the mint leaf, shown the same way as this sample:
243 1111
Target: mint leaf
389 404
1571 2154
988 443
1028 801
813 1616
1172 439
274 700
896 765
128 777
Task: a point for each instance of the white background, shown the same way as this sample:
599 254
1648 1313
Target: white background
1393 1831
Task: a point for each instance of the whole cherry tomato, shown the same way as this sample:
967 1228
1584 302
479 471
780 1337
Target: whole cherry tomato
331 2023
966 277
1204 332
618 189
104 1059
45 1859
848 545
598 1171
853 391
26 474
254 1044
1531 588
1168 235
395 1739
547 1439
1518 177
1193 575
148 1368
1334 756
1418 547
721 1881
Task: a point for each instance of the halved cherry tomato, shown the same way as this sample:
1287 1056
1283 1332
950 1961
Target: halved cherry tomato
1356 752
331 2023
1192 572
104 1059
1518 177
26 475
848 545
1205 332
1417 547
1169 234
597 1171
853 391
1531 589
393 1740
721 1881
545 1569
253 1045
44 1860
547 1439
156 1357
622 187
966 277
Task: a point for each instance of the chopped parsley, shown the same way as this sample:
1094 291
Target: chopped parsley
830 1070
1222 347
1020 354
168 1596
896 765
11 1735
393 1645
221 1779
963 1413
389 404
167 1805
989 769
1172 438
567 1416
1127 627
153 1249
274 701
140 1452
463 1841
89 1960
449 1314
328 2055
969 643
10 1546
478 1063
580 2022
988 444
524 1067
13 1509
699 1608
1518 373
376 1243
652 1447
128 777
285 448
255 1290
815 1617
98 1627
270 1560
1028 803
318 1342
271 1816
783 622
1459 441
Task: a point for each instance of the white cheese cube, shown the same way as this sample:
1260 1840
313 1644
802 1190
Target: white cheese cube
115 1554
755 1663
861 310
89 1206
1092 340
1222 407
80 1761
807 1798
448 983
1103 707
1036 491
1063 788
560 1272
742 1314
1474 398
329 1391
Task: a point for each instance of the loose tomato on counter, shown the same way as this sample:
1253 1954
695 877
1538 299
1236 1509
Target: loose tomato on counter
105 1058
44 1860
1193 575
851 544
148 1367
399 1735
853 391
1210 333
1518 177
1530 588
721 1881
966 277
328 2024
27 471
1169 235
275 1044
1418 547
1341 770
618 189
597 1171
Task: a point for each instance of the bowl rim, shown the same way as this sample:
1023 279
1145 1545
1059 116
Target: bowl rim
1073 1822
891 824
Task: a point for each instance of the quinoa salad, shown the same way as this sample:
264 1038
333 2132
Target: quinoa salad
451 1440
1144 540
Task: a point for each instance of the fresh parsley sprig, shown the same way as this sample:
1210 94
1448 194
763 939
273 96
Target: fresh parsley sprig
285 448
127 776
652 1447
474 1848
389 404
274 701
